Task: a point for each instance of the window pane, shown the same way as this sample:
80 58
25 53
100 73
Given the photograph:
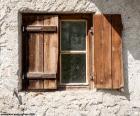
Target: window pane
73 34
73 68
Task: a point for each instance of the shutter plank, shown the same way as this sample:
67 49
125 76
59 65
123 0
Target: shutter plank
50 52
50 46
107 51
108 66
35 50
35 59
117 65
98 51
102 51
31 53
39 53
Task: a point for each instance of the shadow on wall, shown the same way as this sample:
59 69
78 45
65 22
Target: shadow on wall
130 12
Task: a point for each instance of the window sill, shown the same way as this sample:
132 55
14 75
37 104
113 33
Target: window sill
73 87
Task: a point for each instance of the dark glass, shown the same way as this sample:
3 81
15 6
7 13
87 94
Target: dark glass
73 35
73 68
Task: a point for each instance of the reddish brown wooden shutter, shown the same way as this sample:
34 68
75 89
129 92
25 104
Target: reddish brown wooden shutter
41 36
108 69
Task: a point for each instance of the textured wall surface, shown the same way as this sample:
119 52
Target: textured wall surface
69 103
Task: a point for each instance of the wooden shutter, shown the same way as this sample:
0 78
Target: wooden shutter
108 69
41 54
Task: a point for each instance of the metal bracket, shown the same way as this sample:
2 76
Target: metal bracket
91 77
91 31
23 28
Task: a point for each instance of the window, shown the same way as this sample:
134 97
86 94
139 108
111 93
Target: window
71 50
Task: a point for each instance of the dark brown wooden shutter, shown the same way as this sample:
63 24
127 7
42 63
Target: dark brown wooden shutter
41 36
108 66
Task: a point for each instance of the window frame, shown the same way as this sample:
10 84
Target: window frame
78 16
73 52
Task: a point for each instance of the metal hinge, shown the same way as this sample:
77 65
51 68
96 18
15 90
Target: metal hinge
91 30
91 76
23 28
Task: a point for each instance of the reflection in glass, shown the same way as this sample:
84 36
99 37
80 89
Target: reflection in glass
73 68
73 34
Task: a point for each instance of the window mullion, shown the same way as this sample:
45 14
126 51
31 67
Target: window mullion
73 52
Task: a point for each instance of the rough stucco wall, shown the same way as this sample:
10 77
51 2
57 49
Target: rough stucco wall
69 103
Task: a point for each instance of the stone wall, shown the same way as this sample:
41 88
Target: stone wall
69 103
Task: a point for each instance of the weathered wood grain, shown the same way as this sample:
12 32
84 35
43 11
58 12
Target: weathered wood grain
108 66
117 64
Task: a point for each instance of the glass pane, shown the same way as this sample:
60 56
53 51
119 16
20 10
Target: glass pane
73 34
73 68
